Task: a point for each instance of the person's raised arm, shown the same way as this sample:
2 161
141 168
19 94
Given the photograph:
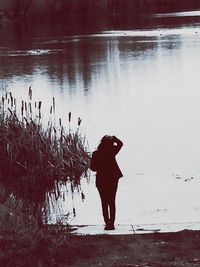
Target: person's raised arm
117 144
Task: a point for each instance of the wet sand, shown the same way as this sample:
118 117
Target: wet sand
130 229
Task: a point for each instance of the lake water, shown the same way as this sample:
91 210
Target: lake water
139 83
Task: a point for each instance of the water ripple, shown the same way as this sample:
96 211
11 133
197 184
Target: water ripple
31 52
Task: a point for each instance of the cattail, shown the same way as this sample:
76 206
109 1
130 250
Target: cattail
30 93
61 134
39 105
51 110
11 102
35 104
30 107
69 116
60 122
11 99
79 121
82 196
25 106
74 212
54 105
22 108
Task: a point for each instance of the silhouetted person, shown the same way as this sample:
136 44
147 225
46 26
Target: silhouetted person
107 175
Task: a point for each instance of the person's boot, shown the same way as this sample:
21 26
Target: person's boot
111 226
107 226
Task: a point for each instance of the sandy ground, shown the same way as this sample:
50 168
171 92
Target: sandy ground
130 229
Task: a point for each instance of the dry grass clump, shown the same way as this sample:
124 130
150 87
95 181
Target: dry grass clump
33 158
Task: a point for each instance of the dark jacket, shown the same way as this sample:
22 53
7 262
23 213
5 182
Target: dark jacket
104 163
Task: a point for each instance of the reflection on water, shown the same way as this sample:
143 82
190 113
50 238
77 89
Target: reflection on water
142 85
178 14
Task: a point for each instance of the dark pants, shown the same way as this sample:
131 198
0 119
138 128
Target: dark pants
107 194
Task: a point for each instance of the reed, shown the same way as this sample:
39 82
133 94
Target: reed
34 158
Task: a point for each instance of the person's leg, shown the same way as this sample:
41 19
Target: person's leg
104 203
112 205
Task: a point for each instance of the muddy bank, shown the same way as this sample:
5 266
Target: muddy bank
61 249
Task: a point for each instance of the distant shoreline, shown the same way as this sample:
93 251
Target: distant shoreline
8 18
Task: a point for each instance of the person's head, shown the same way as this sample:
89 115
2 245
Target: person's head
106 142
